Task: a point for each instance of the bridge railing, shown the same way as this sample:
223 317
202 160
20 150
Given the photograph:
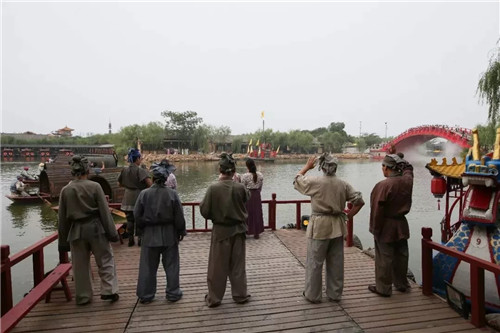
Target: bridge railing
477 268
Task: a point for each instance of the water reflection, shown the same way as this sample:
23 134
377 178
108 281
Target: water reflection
18 215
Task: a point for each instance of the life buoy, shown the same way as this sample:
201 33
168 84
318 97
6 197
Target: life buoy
67 153
4 153
10 153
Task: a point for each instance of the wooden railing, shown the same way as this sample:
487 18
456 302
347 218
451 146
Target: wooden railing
477 268
271 224
36 251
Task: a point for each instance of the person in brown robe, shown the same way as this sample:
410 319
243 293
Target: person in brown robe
390 201
224 205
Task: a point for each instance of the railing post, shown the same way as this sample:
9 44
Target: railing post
6 280
350 228
477 295
272 212
38 267
426 262
298 216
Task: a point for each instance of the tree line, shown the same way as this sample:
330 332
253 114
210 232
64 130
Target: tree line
186 130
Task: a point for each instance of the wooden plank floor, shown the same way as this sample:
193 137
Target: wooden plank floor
275 275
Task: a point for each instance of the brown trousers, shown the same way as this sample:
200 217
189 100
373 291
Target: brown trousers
227 259
391 265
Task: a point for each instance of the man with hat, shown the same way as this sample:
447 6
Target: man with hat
158 213
134 179
18 187
390 201
327 226
86 227
224 204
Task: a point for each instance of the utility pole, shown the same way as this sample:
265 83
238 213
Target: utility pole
360 128
386 131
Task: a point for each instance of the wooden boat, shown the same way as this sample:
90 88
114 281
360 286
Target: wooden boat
32 198
31 182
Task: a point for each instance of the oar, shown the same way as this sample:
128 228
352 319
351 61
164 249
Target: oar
44 200
117 212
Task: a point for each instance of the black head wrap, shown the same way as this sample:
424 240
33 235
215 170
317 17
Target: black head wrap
227 163
161 171
79 165
395 161
327 163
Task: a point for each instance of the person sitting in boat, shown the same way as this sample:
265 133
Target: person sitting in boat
27 175
19 188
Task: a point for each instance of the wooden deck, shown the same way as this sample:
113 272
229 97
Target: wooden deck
275 274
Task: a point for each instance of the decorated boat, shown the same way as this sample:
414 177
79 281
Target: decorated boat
473 188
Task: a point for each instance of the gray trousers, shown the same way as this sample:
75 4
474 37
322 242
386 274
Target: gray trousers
103 254
148 268
227 259
318 251
391 265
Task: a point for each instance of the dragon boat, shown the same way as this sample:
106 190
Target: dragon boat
472 187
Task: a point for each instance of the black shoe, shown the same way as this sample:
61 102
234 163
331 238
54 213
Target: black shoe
374 290
131 241
112 297
139 241
145 300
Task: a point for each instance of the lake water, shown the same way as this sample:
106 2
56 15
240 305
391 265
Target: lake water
23 225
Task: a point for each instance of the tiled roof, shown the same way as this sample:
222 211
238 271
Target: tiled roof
453 170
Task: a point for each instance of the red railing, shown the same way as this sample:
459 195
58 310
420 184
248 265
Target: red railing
477 268
272 204
36 251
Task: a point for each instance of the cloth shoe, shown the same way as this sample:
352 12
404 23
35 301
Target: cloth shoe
112 297
131 241
139 241
374 290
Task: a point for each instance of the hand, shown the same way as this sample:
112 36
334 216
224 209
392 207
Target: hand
311 162
180 237
114 238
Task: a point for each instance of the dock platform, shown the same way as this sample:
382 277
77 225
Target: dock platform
275 273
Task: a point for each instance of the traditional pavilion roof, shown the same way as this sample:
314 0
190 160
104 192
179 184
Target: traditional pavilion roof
453 170
66 129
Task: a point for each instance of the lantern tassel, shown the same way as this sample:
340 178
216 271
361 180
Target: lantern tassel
439 206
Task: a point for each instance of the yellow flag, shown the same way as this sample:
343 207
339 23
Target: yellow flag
250 143
258 142
277 150
262 114
259 151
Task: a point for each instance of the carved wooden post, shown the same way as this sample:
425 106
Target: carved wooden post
477 295
6 280
38 267
426 262
272 212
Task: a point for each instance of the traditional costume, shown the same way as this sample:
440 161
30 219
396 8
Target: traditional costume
327 227
390 201
255 220
159 214
224 205
133 178
86 227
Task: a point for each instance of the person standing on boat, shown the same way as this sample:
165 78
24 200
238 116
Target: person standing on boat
26 174
224 205
327 226
19 188
158 212
86 227
390 201
253 181
134 179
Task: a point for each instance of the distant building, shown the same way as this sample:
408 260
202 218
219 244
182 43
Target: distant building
66 131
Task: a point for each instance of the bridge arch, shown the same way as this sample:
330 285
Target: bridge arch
421 134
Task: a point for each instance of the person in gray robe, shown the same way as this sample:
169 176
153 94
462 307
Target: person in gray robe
327 228
159 214
224 204
133 178
86 227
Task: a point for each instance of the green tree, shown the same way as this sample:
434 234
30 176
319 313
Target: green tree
181 125
487 135
488 87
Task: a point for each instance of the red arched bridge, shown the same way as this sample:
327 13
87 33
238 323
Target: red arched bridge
421 134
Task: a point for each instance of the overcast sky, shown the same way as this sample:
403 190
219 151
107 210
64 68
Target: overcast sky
304 64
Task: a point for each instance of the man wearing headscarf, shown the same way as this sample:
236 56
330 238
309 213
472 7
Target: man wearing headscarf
327 226
86 227
224 205
390 201
134 179
159 213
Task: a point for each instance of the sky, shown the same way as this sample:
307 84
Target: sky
378 67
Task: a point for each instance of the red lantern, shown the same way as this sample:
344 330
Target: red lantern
438 186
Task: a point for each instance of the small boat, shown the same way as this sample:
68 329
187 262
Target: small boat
31 181
32 198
